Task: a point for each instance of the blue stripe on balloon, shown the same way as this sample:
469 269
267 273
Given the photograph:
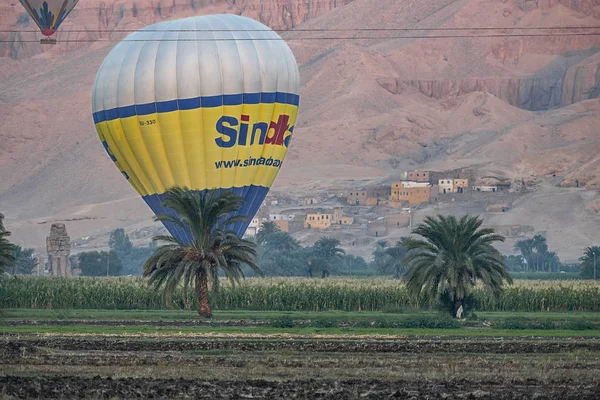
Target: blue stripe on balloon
189 104
251 98
126 112
166 106
196 102
144 109
253 198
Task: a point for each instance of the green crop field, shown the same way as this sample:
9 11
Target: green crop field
287 294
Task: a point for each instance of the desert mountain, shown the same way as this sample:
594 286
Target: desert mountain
522 107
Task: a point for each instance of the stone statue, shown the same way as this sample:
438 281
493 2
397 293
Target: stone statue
39 268
58 245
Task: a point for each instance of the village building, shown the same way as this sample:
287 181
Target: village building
337 214
289 226
492 188
446 186
376 229
434 193
397 220
413 184
344 220
460 185
415 176
413 196
254 226
281 217
318 221
309 201
377 195
357 197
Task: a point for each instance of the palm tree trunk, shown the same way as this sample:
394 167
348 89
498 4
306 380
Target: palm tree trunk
202 294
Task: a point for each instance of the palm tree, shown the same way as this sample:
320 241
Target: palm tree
205 215
379 255
395 257
328 251
525 247
551 261
267 229
280 241
7 251
590 261
2 223
452 256
25 262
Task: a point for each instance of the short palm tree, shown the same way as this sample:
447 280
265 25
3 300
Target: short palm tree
590 262
452 256
206 215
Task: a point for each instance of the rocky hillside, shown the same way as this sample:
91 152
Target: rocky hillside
523 108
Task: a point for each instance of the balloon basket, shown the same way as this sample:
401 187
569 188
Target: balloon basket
48 41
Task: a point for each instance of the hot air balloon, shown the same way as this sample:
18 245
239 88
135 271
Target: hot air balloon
48 14
206 102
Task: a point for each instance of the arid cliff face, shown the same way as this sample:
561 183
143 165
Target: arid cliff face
104 19
573 76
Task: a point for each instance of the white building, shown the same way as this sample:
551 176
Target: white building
281 217
446 186
413 184
485 188
254 226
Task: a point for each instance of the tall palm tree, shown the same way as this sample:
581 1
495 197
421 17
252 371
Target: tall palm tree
280 241
590 262
267 229
328 251
526 248
395 257
7 251
379 255
206 215
452 256
25 262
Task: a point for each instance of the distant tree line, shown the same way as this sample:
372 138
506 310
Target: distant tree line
122 259
279 254
13 258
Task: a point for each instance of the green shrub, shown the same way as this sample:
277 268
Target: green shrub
324 323
579 325
284 321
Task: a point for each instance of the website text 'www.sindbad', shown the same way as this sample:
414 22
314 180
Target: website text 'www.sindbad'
249 162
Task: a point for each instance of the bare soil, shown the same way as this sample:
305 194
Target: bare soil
179 366
445 345
99 387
